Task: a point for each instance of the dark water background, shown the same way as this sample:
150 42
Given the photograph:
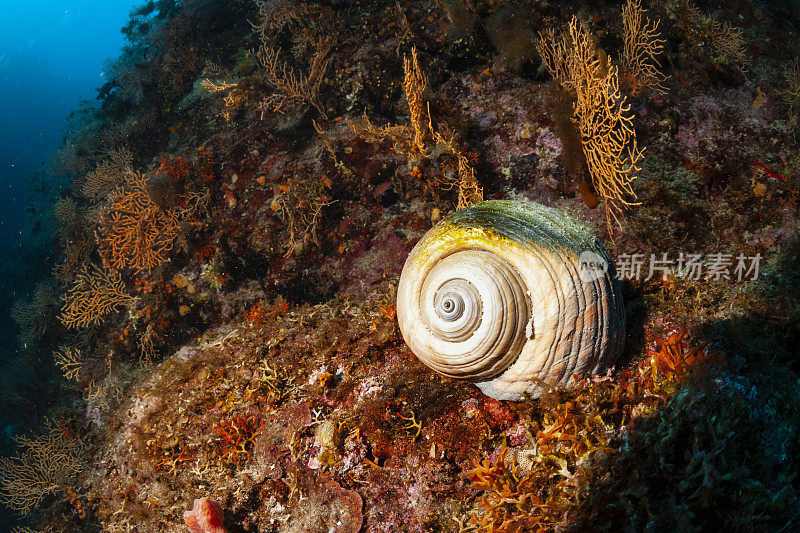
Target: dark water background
51 57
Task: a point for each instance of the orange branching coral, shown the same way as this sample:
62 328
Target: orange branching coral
514 501
728 41
70 361
398 134
172 459
276 15
299 204
701 30
259 312
600 113
609 142
413 140
308 31
108 174
268 383
216 79
75 252
408 140
414 85
216 86
42 466
642 45
232 101
134 231
541 485
674 360
96 292
388 314
102 395
65 212
469 190
559 426
236 437
293 88
570 57
792 75
147 345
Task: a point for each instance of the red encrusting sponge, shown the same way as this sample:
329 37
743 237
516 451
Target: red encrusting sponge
205 517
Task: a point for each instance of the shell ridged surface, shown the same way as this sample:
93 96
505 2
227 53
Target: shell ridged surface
494 295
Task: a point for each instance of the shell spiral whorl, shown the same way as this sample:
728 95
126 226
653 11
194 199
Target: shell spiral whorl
494 295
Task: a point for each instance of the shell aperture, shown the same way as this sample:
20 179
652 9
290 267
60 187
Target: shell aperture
495 294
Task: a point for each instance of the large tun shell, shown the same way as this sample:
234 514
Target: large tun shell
494 294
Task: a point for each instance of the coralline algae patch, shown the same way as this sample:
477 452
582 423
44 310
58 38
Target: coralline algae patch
309 421
517 127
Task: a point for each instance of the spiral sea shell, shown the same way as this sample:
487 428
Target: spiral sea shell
513 296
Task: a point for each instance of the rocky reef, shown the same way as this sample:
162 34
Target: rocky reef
218 342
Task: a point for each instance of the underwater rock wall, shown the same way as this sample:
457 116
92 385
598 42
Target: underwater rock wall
220 326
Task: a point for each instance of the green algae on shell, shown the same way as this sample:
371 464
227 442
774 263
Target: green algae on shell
513 296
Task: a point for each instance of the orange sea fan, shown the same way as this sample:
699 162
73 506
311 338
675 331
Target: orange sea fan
134 232
96 292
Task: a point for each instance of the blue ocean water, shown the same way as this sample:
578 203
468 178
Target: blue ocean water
51 57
